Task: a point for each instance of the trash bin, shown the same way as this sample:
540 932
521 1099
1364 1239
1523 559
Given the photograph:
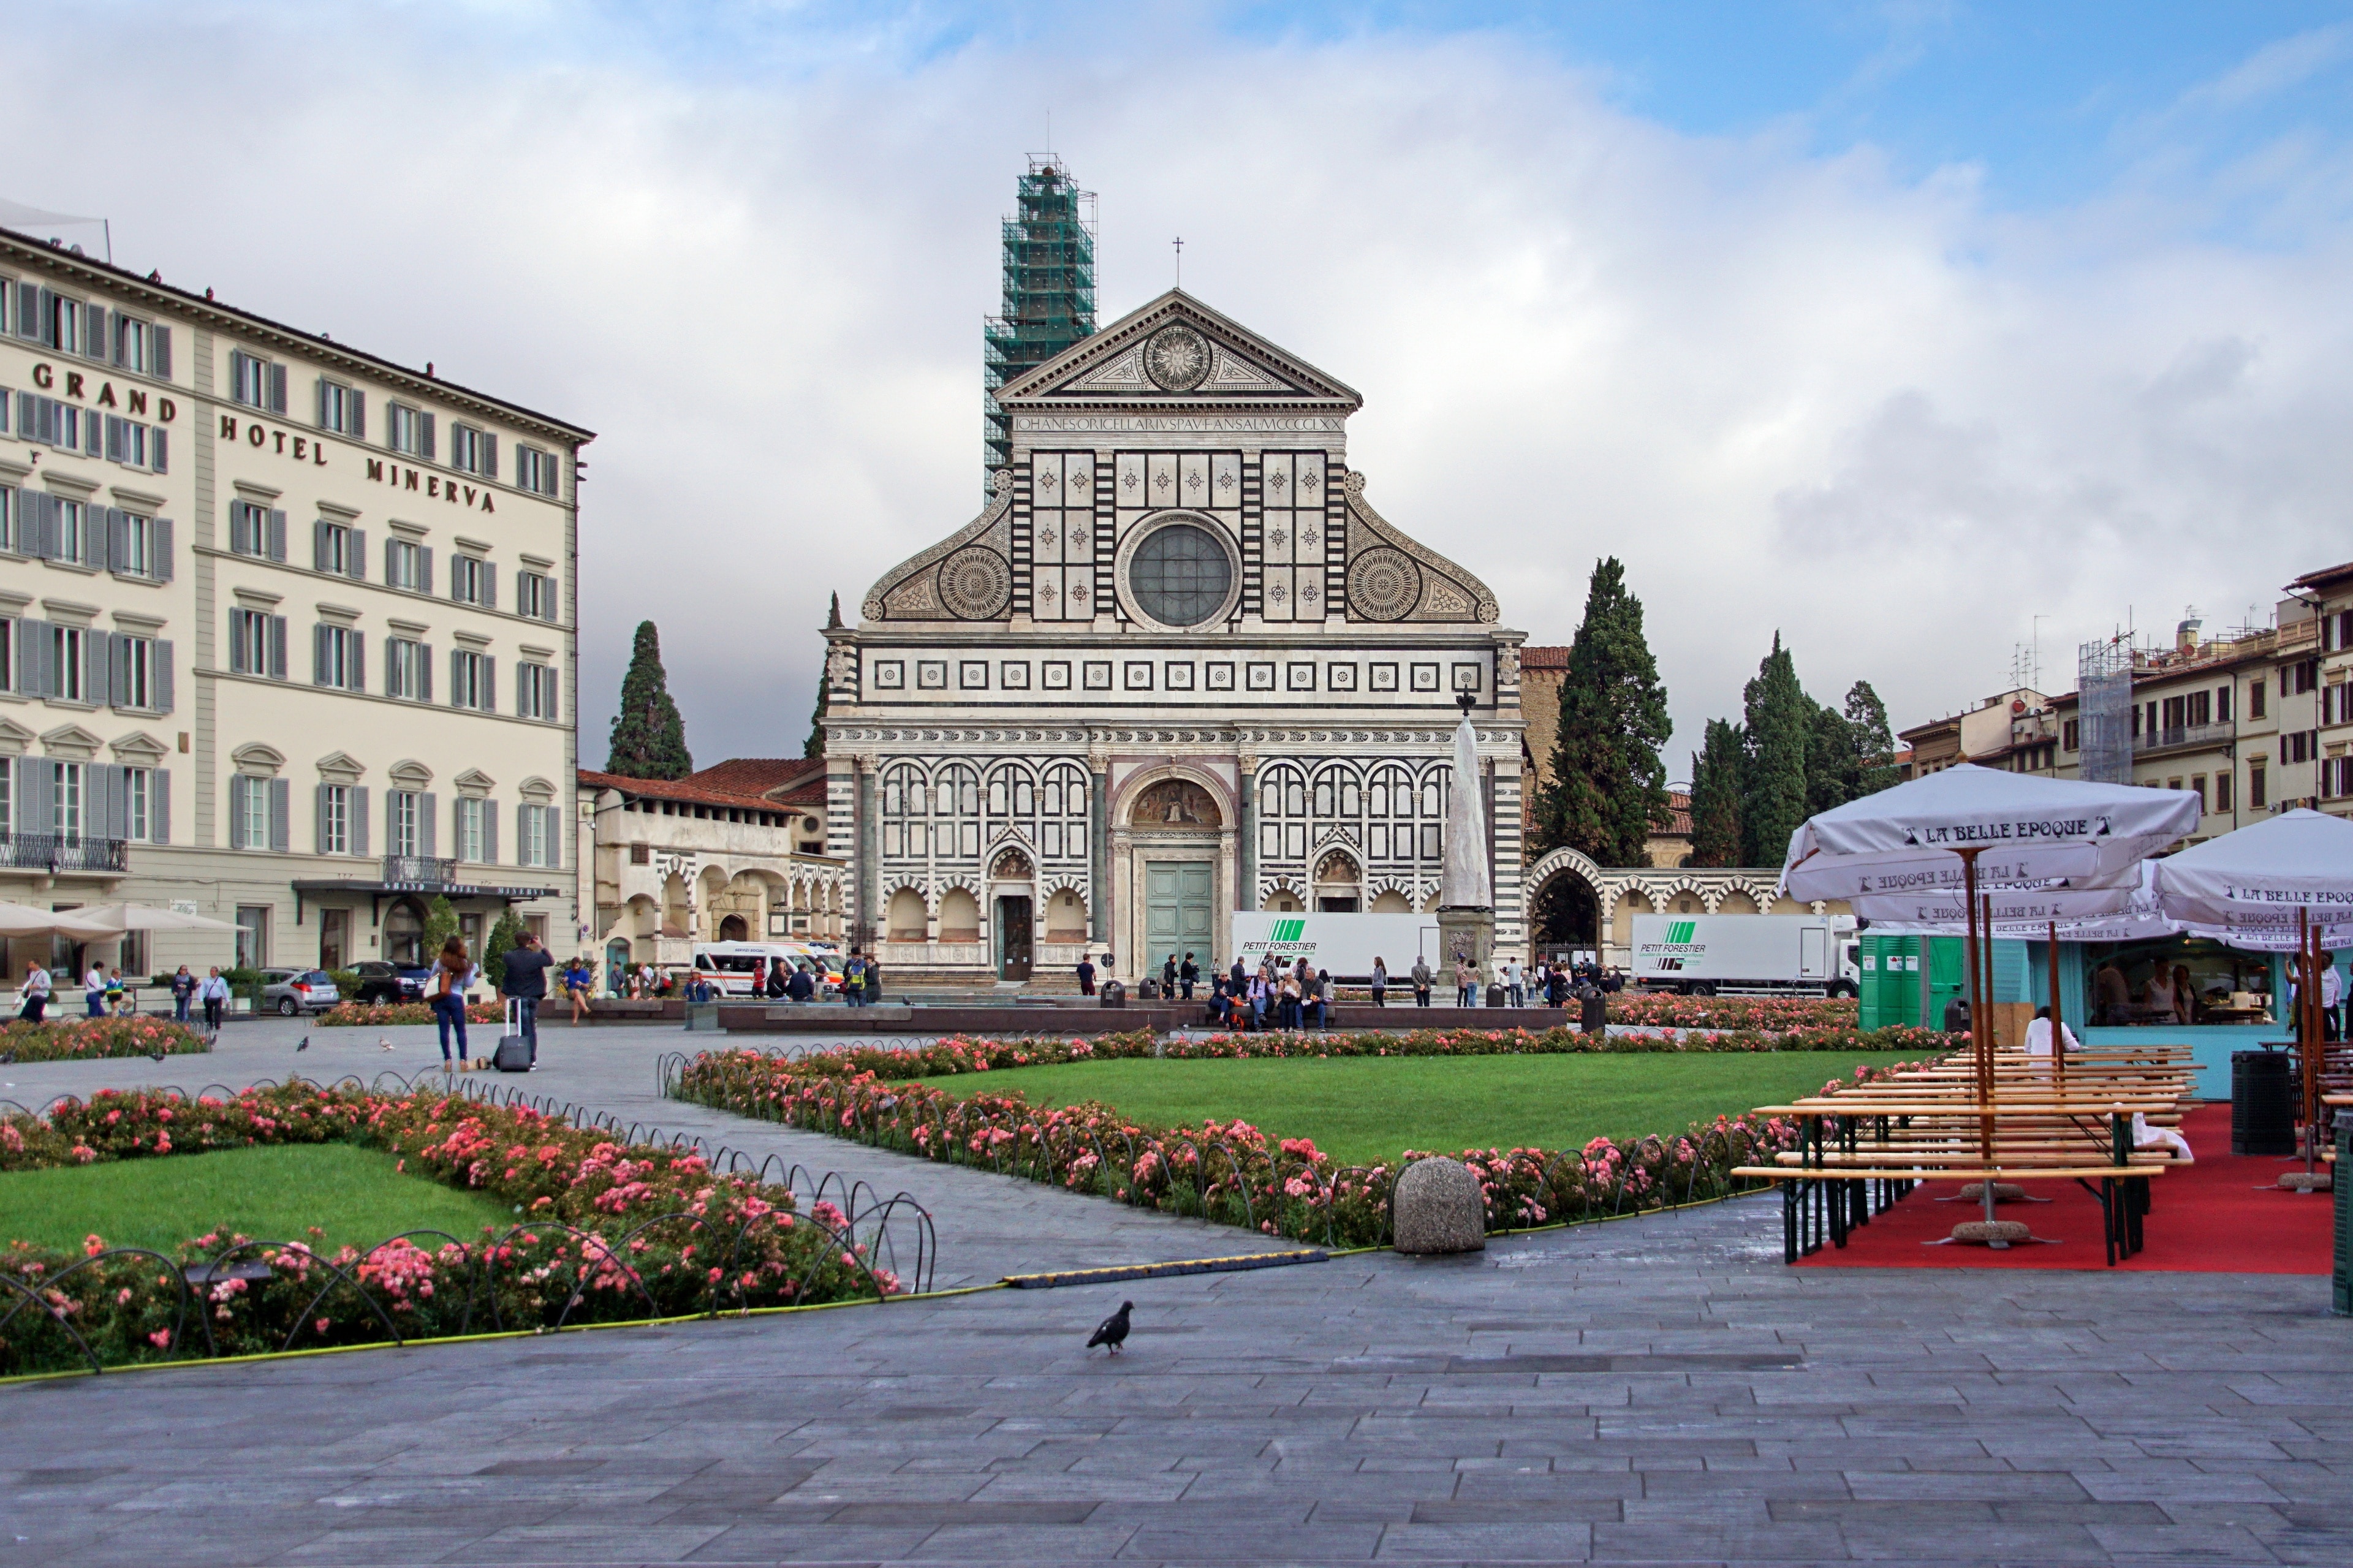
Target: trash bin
1113 994
2262 1103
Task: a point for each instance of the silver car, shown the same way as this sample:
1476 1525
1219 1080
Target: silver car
295 991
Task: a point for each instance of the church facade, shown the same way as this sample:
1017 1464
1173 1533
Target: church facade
1177 666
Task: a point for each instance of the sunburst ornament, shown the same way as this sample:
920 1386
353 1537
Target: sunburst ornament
1177 358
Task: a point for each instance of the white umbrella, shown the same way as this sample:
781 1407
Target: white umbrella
2247 887
116 919
1985 828
1941 911
24 920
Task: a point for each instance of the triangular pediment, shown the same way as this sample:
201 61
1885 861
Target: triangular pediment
1176 351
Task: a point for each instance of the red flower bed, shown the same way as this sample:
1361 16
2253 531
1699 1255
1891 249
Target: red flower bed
1664 1010
78 1039
351 1014
605 1232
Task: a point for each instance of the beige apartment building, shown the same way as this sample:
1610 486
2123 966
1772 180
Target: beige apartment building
288 629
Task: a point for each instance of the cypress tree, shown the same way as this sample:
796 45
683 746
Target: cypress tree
1716 770
1609 789
1834 766
1875 742
814 746
648 737
1778 731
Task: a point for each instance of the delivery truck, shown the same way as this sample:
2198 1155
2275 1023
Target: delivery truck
1789 955
1343 944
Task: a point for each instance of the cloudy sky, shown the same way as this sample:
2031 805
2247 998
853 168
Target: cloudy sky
1918 331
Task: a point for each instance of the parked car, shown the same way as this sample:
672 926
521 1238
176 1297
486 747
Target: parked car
294 991
383 982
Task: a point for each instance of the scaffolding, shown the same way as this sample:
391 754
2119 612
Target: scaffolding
1050 293
2104 672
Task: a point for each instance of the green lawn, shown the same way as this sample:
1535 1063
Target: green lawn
270 1193
1364 1109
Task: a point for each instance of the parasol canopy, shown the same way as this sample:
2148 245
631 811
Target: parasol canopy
2245 887
24 920
2023 830
113 919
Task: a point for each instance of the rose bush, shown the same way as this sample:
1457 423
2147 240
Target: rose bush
1664 1010
74 1039
1228 1172
605 1232
351 1015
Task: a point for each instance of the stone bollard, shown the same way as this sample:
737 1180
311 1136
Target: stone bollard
1435 1207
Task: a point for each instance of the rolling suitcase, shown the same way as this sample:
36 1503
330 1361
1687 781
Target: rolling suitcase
514 1052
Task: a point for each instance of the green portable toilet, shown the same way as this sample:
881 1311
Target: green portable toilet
1891 978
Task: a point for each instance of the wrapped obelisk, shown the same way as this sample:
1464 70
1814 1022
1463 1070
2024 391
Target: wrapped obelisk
1466 892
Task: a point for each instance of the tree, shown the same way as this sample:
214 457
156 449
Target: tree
506 931
1609 789
1875 742
1833 768
1778 731
814 746
440 925
1717 770
648 737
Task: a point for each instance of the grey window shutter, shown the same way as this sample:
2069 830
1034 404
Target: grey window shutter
359 820
279 792
118 539
429 824
163 675
358 556
37 810
161 368
94 337
238 784
425 569
112 789
114 339
238 663
95 544
319 655
93 666
425 672
358 665
159 449
424 421
522 832
277 648
159 805
523 690
114 433
318 818
277 541
118 669
28 310
320 414
357 403
548 691
45 319
93 436
159 549
28 655
489 684
51 686
490 584
277 389
490 468
319 545
490 832
458 577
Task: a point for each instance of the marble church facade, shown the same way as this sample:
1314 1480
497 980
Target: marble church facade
1177 666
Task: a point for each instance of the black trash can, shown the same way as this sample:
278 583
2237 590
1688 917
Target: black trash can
2262 1103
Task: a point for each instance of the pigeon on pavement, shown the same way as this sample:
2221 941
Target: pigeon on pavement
156 1056
384 1040
1113 1329
304 1047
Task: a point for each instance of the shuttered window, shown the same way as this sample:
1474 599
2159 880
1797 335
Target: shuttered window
407 670
257 529
473 451
343 409
255 382
534 470
408 430
535 691
256 644
535 595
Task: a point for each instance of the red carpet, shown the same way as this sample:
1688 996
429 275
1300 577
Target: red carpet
2208 1219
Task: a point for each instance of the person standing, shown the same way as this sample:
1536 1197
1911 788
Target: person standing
873 985
801 985
445 993
118 995
1086 975
1514 993
526 987
776 987
184 991
94 990
853 980
37 993
1422 980
1380 982
1466 984
213 993
1187 975
2332 992
1168 977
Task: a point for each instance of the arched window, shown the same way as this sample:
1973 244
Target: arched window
904 834
1063 813
956 811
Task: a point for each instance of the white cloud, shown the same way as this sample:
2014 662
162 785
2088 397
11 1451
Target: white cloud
1792 391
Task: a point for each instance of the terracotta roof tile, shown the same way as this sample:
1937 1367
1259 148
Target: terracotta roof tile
676 789
757 775
1543 659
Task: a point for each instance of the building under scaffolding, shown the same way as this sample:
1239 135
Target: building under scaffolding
1049 291
2104 672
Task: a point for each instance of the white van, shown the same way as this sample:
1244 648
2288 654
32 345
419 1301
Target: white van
730 966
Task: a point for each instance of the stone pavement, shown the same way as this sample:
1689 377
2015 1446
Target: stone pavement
1659 1390
986 1227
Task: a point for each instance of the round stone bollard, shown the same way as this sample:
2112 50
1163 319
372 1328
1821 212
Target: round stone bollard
1435 1209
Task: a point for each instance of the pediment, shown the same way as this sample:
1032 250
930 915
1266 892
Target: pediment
474 781
14 737
341 767
1176 351
139 748
70 740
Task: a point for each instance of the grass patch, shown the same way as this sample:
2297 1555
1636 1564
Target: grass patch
355 1194
1361 1111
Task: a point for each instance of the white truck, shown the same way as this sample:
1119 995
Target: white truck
1791 956
1345 944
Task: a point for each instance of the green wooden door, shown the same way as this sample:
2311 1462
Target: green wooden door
1177 914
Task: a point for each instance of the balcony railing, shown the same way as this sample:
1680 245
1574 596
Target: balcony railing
421 871
60 852
2182 735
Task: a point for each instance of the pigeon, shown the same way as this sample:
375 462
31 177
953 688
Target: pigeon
156 1056
9 1060
385 1041
1113 1330
304 1047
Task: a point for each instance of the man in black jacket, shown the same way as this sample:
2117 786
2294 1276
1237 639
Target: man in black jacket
526 986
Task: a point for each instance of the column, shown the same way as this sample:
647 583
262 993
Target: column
1245 857
1099 845
869 846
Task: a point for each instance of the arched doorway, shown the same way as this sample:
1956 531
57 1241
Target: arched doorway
1564 907
734 929
1338 884
1175 841
404 933
1013 913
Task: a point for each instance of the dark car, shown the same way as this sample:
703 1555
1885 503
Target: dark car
382 982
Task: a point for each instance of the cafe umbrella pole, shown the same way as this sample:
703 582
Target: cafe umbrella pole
1979 1041
2058 1029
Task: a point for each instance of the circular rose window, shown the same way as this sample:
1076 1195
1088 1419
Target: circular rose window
1180 575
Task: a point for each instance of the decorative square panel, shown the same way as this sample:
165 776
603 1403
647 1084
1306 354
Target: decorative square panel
1054 675
1013 674
1300 677
972 675
1139 674
932 673
1340 676
1425 677
1383 677
1219 677
1176 675
1466 678
1098 675
1261 677
890 674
